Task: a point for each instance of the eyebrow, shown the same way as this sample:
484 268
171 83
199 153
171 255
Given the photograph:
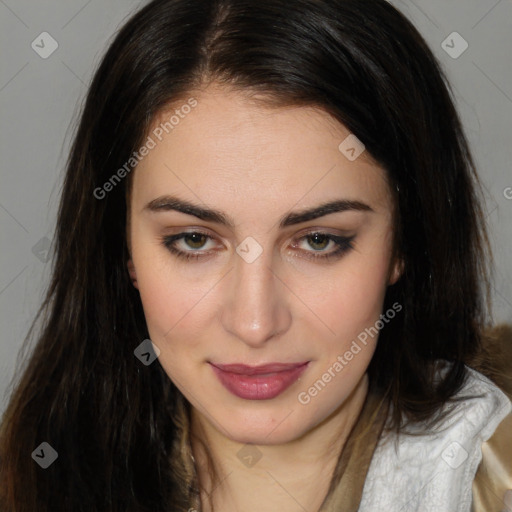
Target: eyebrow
170 203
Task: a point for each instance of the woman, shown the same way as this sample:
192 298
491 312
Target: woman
268 276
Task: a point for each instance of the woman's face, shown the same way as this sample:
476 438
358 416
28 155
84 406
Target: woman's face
263 275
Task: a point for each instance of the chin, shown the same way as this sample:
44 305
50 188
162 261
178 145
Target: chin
273 429
264 439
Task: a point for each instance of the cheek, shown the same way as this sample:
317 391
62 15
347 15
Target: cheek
170 304
363 292
167 298
351 308
352 297
173 315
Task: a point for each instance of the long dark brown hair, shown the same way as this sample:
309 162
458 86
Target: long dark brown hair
113 421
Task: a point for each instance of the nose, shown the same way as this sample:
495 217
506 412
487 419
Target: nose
255 309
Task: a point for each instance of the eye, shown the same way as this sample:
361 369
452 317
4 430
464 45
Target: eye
192 241
320 241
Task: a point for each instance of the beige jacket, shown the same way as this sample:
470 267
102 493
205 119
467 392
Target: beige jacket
492 483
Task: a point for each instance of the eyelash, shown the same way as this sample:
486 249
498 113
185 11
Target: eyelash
344 244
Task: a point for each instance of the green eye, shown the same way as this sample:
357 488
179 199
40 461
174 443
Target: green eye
341 245
195 240
315 237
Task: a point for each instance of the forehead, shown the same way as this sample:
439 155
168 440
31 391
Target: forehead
229 148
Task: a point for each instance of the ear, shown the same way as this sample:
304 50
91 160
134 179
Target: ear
396 271
133 273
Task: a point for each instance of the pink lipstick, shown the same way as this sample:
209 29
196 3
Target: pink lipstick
258 382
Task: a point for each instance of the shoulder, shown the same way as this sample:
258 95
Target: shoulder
434 470
492 486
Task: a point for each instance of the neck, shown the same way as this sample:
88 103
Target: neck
292 476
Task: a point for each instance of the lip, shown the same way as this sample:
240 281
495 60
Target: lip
262 382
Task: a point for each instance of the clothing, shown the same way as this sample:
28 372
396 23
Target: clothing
463 465
492 487
432 472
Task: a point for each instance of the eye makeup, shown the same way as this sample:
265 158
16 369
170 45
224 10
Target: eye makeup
339 245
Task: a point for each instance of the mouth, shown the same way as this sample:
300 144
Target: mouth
262 382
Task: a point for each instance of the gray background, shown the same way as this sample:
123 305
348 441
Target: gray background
40 98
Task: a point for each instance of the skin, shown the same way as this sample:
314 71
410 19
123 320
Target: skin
256 164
